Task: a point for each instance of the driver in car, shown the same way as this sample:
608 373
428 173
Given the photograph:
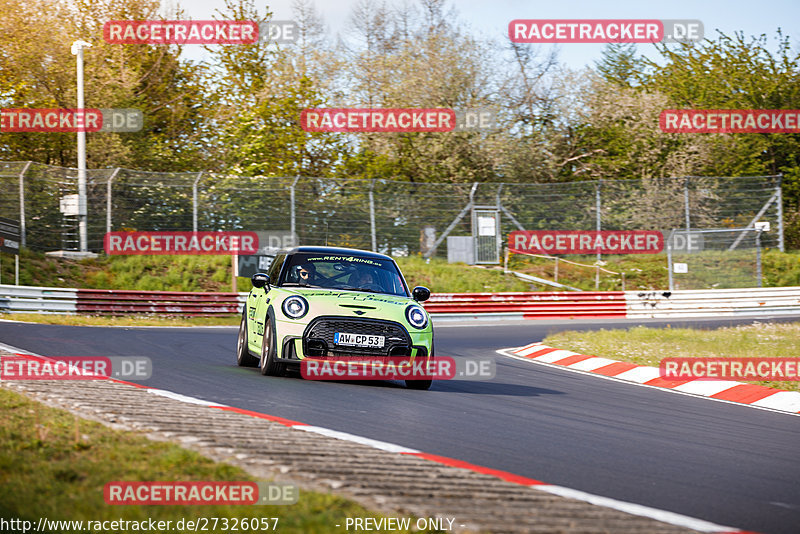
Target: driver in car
305 273
364 279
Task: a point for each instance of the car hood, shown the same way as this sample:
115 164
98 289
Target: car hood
353 303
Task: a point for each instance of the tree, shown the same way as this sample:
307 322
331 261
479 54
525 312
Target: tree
262 90
38 71
620 65
734 72
417 57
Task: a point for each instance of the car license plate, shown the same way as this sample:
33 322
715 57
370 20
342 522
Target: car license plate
358 340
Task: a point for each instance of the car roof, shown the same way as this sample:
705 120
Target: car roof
341 251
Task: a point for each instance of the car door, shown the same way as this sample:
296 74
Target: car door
254 298
261 300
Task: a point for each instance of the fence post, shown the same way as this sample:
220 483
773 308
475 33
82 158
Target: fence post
291 210
779 192
194 201
22 203
372 217
686 203
669 261
758 258
108 199
598 222
499 236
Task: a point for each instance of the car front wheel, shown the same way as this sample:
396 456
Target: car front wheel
269 367
421 384
243 357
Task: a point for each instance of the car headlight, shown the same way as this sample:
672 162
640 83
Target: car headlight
416 316
295 307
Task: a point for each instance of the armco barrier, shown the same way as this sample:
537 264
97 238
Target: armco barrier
30 299
115 302
713 302
542 305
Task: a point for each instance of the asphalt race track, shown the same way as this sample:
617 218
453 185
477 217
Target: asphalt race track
730 464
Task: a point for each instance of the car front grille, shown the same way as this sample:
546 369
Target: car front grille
318 337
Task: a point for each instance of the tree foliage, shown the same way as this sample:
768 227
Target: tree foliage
237 113
37 70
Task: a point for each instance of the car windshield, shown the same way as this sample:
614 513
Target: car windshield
333 271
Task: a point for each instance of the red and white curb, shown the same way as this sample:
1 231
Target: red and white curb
720 390
627 507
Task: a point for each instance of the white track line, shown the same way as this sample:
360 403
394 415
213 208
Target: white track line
783 402
637 509
597 500
375 444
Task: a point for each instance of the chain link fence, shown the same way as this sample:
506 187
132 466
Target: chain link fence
714 259
387 216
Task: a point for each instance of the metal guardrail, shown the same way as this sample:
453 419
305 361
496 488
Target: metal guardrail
713 302
114 302
31 299
538 305
545 305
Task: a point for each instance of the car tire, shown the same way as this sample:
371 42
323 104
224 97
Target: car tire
269 367
243 356
421 384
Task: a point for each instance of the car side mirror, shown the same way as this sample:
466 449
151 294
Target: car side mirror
421 294
260 279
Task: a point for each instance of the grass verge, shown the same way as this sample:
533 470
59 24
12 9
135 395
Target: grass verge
649 271
647 346
55 465
213 273
442 277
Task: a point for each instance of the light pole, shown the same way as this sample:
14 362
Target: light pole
77 50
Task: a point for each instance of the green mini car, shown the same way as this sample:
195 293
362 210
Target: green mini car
328 302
